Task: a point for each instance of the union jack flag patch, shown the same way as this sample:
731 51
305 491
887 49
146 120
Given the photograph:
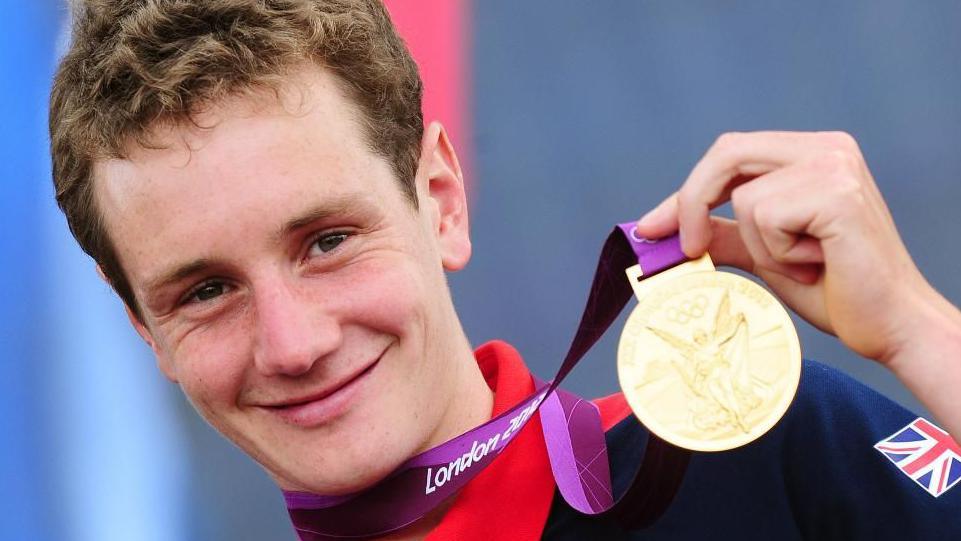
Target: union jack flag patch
926 454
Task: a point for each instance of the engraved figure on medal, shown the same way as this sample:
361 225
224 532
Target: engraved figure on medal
714 368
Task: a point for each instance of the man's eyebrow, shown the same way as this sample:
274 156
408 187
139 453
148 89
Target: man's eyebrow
177 274
341 207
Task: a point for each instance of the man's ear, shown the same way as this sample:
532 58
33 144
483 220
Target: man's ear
144 333
441 184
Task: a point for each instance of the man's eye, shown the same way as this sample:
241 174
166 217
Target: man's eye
207 292
329 242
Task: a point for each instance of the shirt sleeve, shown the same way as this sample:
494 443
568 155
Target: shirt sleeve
841 487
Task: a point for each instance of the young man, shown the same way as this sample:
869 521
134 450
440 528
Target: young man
255 182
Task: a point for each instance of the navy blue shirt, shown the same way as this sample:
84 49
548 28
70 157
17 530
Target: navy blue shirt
815 475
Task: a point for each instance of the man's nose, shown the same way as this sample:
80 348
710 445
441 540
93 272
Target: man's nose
293 331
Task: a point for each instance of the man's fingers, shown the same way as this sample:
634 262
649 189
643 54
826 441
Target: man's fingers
805 250
763 260
784 226
728 249
661 221
739 156
727 246
750 168
798 296
775 213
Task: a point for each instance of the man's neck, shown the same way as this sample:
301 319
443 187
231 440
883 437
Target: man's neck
471 405
470 401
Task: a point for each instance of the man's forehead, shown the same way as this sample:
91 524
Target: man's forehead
273 136
307 95
240 160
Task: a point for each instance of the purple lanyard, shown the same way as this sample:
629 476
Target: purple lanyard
572 432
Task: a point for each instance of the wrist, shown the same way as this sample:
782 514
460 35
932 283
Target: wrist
929 364
929 340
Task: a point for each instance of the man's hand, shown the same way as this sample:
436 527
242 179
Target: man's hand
811 222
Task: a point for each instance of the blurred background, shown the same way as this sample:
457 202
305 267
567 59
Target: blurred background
569 116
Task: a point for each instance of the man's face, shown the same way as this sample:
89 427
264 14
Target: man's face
289 287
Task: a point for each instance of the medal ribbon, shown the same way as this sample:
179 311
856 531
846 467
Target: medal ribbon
572 432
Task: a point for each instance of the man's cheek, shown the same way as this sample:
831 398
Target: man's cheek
390 291
210 384
213 358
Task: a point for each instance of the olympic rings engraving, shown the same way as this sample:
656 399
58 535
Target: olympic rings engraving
687 310
639 239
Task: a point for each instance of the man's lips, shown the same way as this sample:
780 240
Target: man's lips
320 407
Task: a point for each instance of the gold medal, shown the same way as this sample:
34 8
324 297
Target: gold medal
708 360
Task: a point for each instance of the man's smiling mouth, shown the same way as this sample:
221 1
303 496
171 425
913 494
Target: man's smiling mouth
321 407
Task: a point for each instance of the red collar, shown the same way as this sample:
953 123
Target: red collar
512 497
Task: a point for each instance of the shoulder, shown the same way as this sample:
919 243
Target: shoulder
831 403
840 482
828 434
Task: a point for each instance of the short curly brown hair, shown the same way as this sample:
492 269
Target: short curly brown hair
135 64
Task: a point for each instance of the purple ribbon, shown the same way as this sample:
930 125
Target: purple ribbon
572 427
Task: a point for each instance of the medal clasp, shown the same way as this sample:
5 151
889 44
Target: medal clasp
642 284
